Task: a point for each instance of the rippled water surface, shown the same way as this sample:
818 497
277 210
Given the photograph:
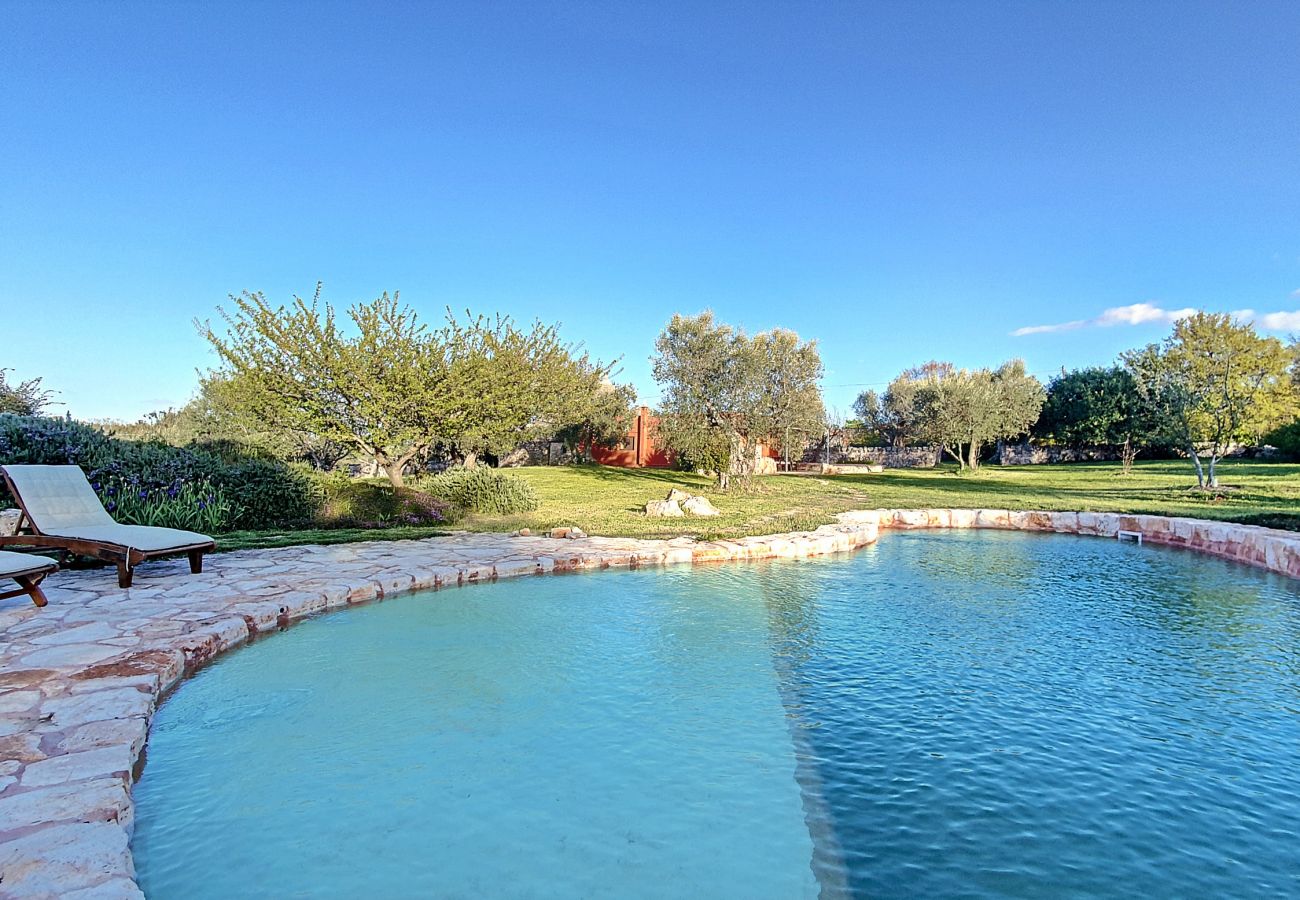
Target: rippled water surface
979 714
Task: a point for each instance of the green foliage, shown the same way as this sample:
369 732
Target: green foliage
192 506
366 503
247 493
1212 383
482 490
515 384
724 392
1094 406
389 388
1286 438
968 408
892 417
26 398
603 418
216 421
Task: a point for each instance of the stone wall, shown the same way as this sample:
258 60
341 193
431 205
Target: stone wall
1026 454
889 457
537 453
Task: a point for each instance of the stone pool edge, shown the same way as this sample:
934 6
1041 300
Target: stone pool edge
79 680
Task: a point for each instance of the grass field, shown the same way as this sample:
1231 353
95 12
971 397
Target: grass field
608 501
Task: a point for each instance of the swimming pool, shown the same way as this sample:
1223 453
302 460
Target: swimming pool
939 714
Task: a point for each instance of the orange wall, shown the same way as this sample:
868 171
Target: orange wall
638 449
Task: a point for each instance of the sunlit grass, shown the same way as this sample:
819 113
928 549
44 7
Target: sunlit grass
608 501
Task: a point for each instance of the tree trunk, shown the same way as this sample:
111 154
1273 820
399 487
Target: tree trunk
740 465
1214 475
471 459
1127 455
961 462
1196 461
974 452
391 469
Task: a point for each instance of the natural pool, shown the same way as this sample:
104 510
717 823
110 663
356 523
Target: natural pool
942 714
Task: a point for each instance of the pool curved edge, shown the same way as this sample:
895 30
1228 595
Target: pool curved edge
80 679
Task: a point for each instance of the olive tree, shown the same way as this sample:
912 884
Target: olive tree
724 393
962 410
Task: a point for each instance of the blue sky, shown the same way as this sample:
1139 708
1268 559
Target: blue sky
901 181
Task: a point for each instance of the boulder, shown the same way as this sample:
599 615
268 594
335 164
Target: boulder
9 521
678 495
700 506
572 533
664 508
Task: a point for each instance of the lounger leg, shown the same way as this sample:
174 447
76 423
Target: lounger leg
31 585
196 561
124 574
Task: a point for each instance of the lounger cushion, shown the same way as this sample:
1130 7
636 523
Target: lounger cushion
12 564
135 537
57 497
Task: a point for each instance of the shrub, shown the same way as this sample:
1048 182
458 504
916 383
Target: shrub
149 482
377 504
1286 439
482 490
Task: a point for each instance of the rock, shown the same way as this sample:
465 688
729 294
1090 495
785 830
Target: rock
66 857
523 532
70 710
700 506
105 800
572 533
875 469
9 521
669 509
678 495
111 761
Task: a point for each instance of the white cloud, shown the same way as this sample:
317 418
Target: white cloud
1274 321
1133 314
1296 293
1140 314
1048 329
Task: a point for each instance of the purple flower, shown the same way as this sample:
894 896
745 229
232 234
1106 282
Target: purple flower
110 506
144 495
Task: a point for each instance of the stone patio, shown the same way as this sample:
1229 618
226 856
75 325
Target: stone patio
79 679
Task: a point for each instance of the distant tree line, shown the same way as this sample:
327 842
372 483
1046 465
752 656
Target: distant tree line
1212 384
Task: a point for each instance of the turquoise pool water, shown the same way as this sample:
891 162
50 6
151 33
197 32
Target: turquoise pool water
968 714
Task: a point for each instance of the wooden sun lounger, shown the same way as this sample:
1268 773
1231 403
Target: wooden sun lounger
28 571
59 511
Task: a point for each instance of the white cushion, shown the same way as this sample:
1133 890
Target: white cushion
135 537
12 564
57 497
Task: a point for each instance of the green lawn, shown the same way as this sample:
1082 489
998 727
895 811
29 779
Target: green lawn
608 501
